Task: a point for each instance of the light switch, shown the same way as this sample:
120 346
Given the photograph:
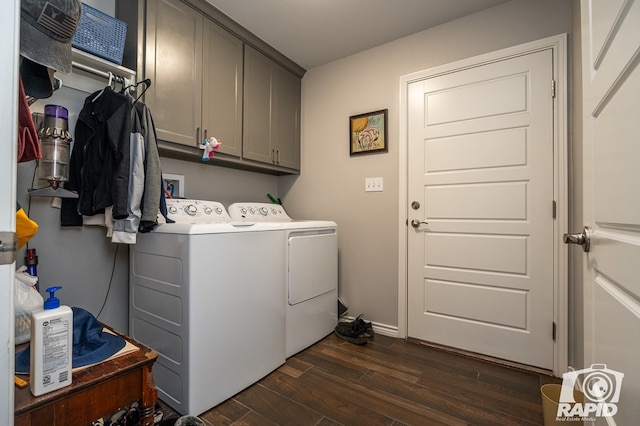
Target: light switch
374 184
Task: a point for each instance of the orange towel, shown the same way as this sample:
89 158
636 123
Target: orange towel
28 144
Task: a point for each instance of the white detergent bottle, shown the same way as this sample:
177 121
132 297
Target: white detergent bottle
51 346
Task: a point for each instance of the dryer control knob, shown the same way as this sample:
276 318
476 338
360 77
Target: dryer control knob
208 210
263 211
218 211
191 210
173 209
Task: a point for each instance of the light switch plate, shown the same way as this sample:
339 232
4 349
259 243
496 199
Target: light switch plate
374 184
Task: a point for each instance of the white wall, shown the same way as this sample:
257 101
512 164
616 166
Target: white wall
106 6
331 185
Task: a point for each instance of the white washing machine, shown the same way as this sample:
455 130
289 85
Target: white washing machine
207 294
311 254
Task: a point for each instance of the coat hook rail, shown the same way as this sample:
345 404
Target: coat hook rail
99 73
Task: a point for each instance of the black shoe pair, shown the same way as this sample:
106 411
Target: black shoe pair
356 331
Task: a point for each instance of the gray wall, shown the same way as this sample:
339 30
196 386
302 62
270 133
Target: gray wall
331 185
94 272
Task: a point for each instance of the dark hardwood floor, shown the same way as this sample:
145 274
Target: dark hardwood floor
385 382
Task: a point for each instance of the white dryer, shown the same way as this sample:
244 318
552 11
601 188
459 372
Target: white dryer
207 295
311 255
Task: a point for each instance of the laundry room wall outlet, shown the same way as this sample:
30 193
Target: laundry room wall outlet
374 184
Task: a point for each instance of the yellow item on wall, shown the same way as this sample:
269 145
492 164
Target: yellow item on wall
25 227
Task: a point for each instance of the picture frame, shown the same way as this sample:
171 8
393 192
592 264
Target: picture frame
368 133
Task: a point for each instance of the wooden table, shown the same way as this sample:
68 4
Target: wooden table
95 392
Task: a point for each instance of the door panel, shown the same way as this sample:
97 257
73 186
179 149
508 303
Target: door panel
286 128
8 153
257 139
473 100
481 166
611 83
503 148
444 298
454 201
223 60
173 62
477 252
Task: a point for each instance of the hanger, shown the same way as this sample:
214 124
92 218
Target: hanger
109 83
147 84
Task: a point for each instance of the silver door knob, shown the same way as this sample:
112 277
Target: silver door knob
416 223
583 239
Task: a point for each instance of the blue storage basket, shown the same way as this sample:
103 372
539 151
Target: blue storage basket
100 34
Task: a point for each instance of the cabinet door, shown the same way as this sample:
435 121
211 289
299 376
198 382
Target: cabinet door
257 107
173 62
285 131
222 88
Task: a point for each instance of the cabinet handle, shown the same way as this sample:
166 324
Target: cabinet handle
205 134
278 156
273 156
198 137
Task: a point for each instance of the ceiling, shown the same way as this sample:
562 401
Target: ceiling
315 32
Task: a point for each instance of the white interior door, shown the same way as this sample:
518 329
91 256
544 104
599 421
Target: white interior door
9 20
481 174
611 90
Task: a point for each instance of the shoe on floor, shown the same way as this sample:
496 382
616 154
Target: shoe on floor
356 331
358 324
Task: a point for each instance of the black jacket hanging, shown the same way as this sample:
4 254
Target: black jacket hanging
100 161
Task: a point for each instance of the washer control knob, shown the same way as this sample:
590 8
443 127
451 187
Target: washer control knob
191 210
252 210
274 211
208 210
263 211
173 209
218 211
243 210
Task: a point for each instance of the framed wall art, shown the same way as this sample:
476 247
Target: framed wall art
368 133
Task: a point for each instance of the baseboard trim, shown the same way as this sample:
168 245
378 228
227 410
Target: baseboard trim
481 357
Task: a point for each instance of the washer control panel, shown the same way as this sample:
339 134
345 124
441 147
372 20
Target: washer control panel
196 211
258 212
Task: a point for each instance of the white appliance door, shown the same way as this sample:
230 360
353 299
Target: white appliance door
313 265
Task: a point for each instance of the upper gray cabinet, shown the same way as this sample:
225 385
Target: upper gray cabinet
271 112
212 77
222 88
196 72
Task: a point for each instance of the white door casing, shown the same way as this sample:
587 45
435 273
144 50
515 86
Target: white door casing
611 129
9 51
486 188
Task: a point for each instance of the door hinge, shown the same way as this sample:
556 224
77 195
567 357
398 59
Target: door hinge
554 331
553 88
554 208
8 247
